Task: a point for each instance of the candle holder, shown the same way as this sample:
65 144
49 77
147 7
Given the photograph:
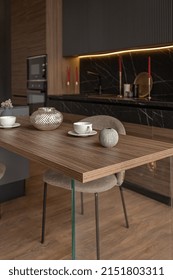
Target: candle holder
149 88
149 78
120 77
76 87
120 84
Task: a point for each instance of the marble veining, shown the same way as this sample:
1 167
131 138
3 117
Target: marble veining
132 65
152 113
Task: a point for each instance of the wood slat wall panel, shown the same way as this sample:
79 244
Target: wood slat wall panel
57 65
28 23
18 46
36 28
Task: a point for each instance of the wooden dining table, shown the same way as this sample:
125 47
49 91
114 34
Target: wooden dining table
81 158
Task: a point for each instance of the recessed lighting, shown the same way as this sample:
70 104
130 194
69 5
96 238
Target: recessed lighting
127 51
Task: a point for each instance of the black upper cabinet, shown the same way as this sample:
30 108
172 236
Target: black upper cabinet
75 27
96 26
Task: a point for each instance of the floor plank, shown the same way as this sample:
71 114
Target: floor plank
150 235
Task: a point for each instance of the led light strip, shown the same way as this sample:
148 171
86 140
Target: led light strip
127 51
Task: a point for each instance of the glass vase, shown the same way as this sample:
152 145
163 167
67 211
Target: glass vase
46 118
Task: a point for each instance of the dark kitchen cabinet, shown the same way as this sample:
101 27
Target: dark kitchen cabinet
75 27
93 26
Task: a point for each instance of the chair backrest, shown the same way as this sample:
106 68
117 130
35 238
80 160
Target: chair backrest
2 170
103 121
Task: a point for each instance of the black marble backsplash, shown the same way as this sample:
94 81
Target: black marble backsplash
132 64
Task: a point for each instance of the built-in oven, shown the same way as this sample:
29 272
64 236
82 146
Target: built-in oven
37 67
36 81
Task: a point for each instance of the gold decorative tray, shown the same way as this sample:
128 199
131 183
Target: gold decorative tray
142 80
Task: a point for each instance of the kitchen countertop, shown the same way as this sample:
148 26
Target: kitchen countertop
113 99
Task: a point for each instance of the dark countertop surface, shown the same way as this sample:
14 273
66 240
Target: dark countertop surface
154 102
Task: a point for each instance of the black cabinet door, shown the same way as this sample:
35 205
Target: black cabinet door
93 26
75 27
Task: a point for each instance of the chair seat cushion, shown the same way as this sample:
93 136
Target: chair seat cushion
58 179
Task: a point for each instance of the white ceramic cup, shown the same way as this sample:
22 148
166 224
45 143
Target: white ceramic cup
7 120
82 127
127 89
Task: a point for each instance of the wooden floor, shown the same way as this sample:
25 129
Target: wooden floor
150 235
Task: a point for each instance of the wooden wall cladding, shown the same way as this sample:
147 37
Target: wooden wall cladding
36 28
57 64
28 33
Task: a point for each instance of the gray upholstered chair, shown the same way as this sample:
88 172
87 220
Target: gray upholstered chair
55 178
2 172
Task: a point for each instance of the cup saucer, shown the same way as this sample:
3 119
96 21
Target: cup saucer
11 126
73 133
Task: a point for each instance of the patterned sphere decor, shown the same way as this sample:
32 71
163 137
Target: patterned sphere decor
46 118
108 137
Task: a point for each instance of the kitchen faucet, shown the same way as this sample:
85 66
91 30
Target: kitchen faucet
99 81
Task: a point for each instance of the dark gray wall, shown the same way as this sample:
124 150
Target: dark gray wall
5 57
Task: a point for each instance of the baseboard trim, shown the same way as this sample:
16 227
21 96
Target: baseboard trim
12 190
153 195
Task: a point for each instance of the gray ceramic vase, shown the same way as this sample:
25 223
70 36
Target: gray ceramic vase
108 137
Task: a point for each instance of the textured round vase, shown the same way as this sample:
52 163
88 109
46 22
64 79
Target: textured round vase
7 112
108 137
46 118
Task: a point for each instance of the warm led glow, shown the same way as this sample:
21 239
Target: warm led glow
127 51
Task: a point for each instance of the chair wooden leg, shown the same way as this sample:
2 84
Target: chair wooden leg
97 227
44 212
82 205
0 210
124 206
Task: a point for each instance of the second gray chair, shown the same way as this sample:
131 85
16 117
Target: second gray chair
55 178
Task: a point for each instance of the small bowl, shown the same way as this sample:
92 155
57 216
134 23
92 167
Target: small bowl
7 120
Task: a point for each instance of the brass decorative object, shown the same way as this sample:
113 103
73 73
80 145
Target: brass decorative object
145 84
152 166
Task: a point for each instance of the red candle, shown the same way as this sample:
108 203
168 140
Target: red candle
120 64
68 74
149 66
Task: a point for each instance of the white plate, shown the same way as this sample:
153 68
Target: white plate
11 126
73 133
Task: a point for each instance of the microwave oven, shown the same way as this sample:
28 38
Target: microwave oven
37 72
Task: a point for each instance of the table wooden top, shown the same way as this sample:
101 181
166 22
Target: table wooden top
82 158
